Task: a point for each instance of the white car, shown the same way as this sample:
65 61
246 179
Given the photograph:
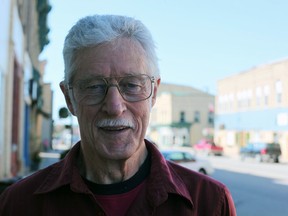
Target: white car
189 160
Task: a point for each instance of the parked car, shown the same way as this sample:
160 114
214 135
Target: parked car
189 160
262 152
208 147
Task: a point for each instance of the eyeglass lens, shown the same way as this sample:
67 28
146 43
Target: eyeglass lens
132 89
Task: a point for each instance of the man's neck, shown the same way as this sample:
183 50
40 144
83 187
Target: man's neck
113 171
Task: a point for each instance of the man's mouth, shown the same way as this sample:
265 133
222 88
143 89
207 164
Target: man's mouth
114 125
118 128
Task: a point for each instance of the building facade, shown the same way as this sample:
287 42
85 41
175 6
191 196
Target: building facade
181 116
252 106
23 37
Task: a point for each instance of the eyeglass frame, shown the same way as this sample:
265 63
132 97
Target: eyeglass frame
118 79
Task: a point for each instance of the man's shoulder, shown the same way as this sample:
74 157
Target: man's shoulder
194 179
29 184
206 194
180 173
46 179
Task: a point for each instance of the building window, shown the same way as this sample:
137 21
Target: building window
196 116
210 117
225 103
239 99
278 90
221 103
182 116
231 101
249 97
266 95
258 96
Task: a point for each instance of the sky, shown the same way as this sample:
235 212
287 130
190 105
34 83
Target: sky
198 41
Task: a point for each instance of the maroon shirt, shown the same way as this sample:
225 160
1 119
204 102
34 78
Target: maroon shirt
170 190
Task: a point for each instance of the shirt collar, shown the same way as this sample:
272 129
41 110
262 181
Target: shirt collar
161 181
64 173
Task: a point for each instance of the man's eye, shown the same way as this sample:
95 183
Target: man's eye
96 86
132 85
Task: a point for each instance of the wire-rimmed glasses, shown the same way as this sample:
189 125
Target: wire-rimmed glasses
133 88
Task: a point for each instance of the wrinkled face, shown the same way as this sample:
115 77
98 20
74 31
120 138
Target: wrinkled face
113 129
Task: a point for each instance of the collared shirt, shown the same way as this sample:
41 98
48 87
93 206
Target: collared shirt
170 190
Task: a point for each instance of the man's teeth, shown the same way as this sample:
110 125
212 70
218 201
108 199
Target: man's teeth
114 128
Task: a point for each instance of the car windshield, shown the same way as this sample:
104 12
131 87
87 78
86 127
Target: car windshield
174 156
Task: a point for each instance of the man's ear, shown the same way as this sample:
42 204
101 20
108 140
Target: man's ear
154 93
68 99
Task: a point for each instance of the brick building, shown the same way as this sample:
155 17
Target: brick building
23 36
252 106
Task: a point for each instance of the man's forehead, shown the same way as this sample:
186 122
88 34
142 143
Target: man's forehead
91 76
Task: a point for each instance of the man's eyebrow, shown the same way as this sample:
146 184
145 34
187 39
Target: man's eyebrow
87 78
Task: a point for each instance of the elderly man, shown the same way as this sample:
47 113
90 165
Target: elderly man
110 85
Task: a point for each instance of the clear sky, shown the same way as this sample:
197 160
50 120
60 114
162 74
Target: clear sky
198 41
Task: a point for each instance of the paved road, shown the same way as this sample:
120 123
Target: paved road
257 189
269 170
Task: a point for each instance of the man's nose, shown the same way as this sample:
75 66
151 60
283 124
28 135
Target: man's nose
114 103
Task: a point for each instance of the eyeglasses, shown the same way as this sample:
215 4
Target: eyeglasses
132 88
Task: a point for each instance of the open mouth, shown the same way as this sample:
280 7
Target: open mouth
115 129
114 125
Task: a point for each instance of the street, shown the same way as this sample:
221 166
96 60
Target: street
257 188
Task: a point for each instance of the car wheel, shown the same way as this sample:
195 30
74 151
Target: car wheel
276 159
